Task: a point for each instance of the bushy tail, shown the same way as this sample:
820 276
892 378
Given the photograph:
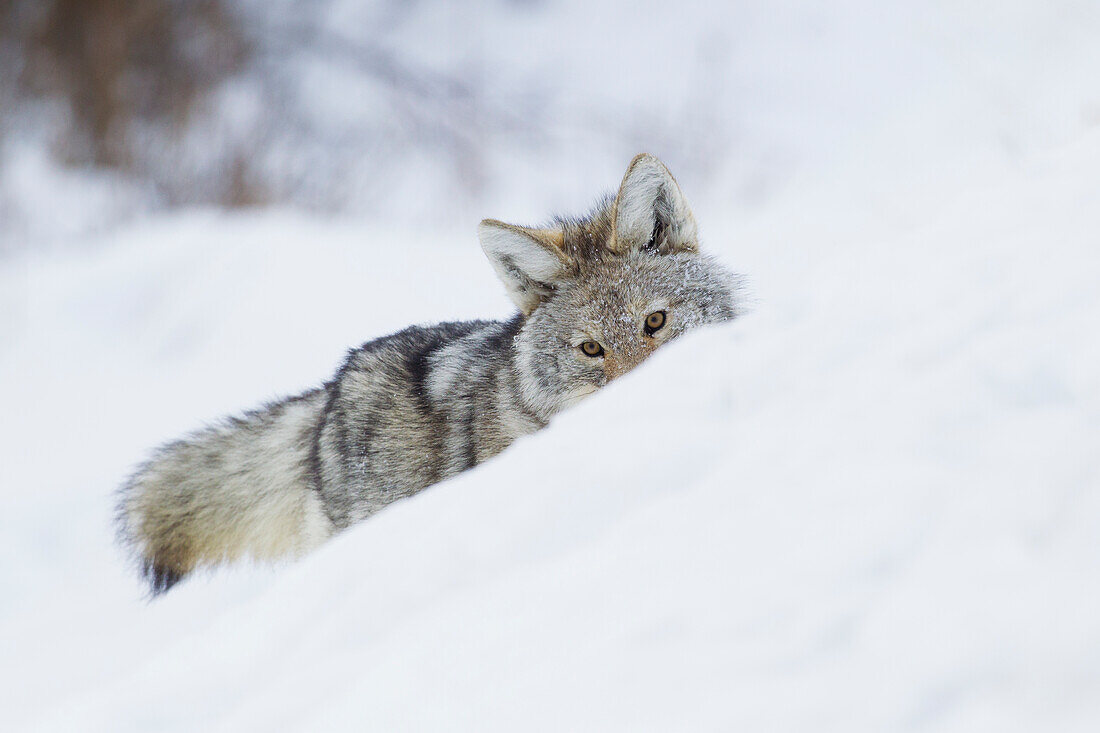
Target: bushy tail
243 489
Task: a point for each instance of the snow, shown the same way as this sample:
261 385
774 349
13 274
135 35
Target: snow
871 503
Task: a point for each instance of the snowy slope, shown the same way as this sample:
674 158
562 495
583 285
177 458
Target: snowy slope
872 503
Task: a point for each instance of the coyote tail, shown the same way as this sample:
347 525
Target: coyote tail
241 489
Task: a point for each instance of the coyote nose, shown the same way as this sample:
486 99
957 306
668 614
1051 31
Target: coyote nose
616 365
614 368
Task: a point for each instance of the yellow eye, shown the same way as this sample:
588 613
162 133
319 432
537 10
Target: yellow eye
654 321
591 348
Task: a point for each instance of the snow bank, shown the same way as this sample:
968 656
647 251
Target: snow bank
870 503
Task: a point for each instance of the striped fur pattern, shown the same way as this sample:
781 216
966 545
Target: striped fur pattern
408 410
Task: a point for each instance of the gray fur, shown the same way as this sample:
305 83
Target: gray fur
411 409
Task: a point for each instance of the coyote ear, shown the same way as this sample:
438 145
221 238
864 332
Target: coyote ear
651 212
527 261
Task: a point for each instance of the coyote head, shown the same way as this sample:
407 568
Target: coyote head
601 293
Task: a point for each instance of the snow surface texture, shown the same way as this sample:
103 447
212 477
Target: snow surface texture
872 503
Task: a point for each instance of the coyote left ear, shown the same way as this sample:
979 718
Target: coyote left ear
528 261
651 211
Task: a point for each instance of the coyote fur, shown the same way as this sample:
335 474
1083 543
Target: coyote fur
596 295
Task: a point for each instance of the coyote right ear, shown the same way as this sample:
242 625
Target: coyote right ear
527 261
651 211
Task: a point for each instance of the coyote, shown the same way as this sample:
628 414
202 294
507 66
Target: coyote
596 295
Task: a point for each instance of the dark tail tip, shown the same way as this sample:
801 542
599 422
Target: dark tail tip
161 577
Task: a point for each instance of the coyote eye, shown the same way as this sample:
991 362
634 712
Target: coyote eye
654 321
591 348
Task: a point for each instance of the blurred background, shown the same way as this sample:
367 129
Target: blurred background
428 112
875 502
394 110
